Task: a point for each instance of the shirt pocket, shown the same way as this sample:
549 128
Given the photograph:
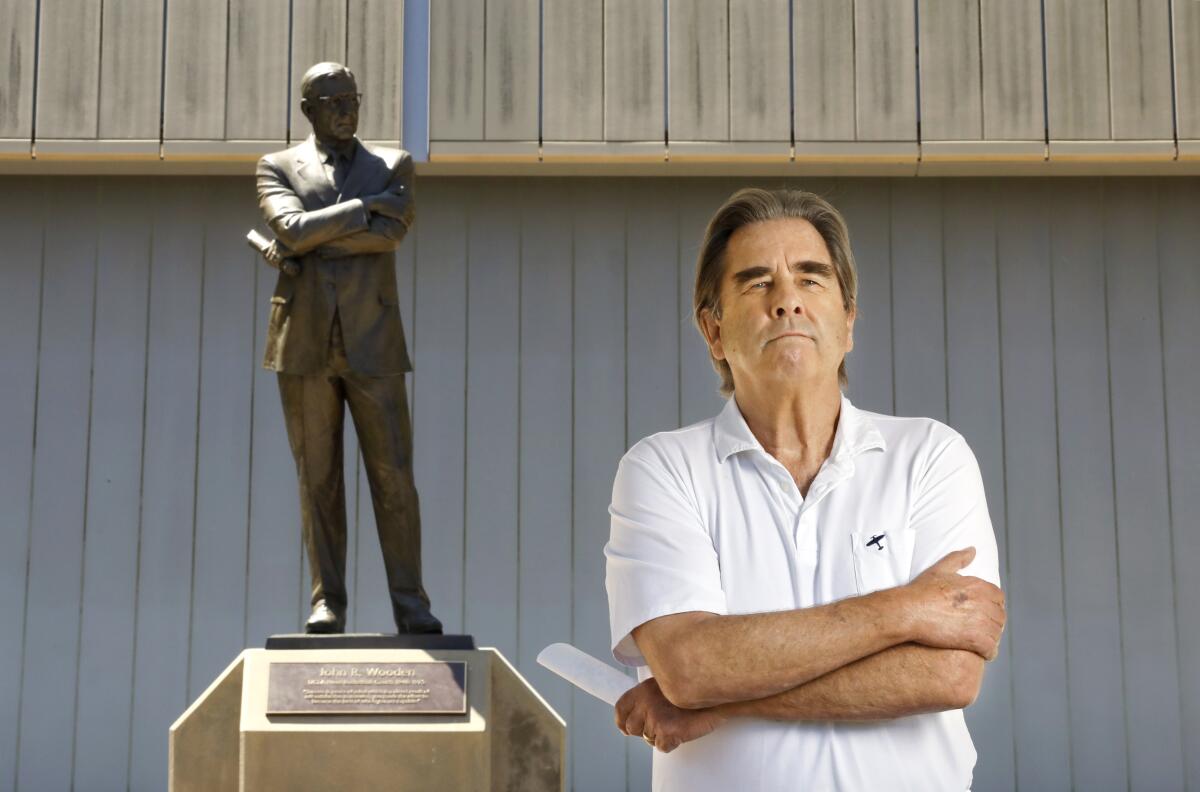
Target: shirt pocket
882 558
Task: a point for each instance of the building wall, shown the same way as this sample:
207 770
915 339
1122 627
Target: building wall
149 508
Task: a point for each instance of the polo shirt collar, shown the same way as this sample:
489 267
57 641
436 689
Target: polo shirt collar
855 433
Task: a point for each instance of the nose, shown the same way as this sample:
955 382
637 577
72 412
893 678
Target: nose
787 301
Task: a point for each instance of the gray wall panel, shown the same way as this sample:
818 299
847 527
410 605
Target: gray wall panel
760 104
1011 54
1186 24
546 438
573 70
951 88
698 45
885 70
257 105
194 92
1035 591
18 24
68 69
1139 56
919 318
456 70
57 525
165 560
1090 569
101 756
1006 298
439 347
493 420
1179 287
23 205
1142 507
634 79
512 60
223 434
131 49
824 81
1077 70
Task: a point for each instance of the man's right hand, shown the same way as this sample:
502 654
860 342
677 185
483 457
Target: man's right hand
388 203
953 611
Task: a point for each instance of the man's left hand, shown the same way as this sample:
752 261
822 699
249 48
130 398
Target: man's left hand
645 712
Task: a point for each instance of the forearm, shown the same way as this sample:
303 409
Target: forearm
722 659
304 231
383 235
904 680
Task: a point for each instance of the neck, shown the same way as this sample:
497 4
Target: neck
343 147
796 426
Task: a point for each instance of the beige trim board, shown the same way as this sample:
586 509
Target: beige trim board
1112 150
856 151
16 149
227 150
604 151
107 149
983 150
483 151
729 150
1189 150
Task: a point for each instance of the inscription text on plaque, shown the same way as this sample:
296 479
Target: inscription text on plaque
418 688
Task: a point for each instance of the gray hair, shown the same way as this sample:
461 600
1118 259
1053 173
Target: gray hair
755 205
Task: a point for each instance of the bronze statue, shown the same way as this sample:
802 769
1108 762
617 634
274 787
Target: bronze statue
339 210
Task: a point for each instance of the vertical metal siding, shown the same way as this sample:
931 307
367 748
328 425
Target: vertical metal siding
150 493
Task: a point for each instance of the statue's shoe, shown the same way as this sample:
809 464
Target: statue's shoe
417 620
325 619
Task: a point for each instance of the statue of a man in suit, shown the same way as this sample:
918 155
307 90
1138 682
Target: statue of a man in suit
339 211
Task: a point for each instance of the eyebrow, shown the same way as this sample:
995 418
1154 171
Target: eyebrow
812 267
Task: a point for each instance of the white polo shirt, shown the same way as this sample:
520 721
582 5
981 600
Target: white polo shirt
703 519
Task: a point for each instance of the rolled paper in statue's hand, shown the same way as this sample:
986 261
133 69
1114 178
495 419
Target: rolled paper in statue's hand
586 672
258 241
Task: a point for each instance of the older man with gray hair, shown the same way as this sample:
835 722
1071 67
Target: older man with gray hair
809 591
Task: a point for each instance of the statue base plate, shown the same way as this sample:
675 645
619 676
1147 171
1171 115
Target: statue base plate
372 641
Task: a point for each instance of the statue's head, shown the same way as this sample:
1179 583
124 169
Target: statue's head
330 101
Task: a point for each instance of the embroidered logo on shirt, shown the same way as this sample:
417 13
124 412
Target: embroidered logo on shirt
877 541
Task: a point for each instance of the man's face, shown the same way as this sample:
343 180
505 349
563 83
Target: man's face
782 317
333 107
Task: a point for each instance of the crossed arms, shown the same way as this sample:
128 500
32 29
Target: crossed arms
901 651
369 224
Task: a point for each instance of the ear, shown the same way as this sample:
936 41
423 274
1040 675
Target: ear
851 315
710 325
306 107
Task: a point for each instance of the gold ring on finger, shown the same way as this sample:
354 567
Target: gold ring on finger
649 740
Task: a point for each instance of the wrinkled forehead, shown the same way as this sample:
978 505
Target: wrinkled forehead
787 239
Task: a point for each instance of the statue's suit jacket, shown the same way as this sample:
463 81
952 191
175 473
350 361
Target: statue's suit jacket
353 273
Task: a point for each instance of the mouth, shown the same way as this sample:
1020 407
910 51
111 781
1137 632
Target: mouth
788 335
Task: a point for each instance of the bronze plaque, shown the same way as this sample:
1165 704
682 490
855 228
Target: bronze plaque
420 688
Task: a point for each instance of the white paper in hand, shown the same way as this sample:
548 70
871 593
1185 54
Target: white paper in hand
585 672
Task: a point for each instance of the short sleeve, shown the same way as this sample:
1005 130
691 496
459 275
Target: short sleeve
660 559
950 512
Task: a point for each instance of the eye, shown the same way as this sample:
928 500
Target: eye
757 284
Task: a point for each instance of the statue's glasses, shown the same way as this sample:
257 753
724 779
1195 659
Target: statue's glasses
346 101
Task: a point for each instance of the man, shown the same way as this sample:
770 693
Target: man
789 571
339 210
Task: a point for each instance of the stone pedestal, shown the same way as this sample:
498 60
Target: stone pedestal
508 738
